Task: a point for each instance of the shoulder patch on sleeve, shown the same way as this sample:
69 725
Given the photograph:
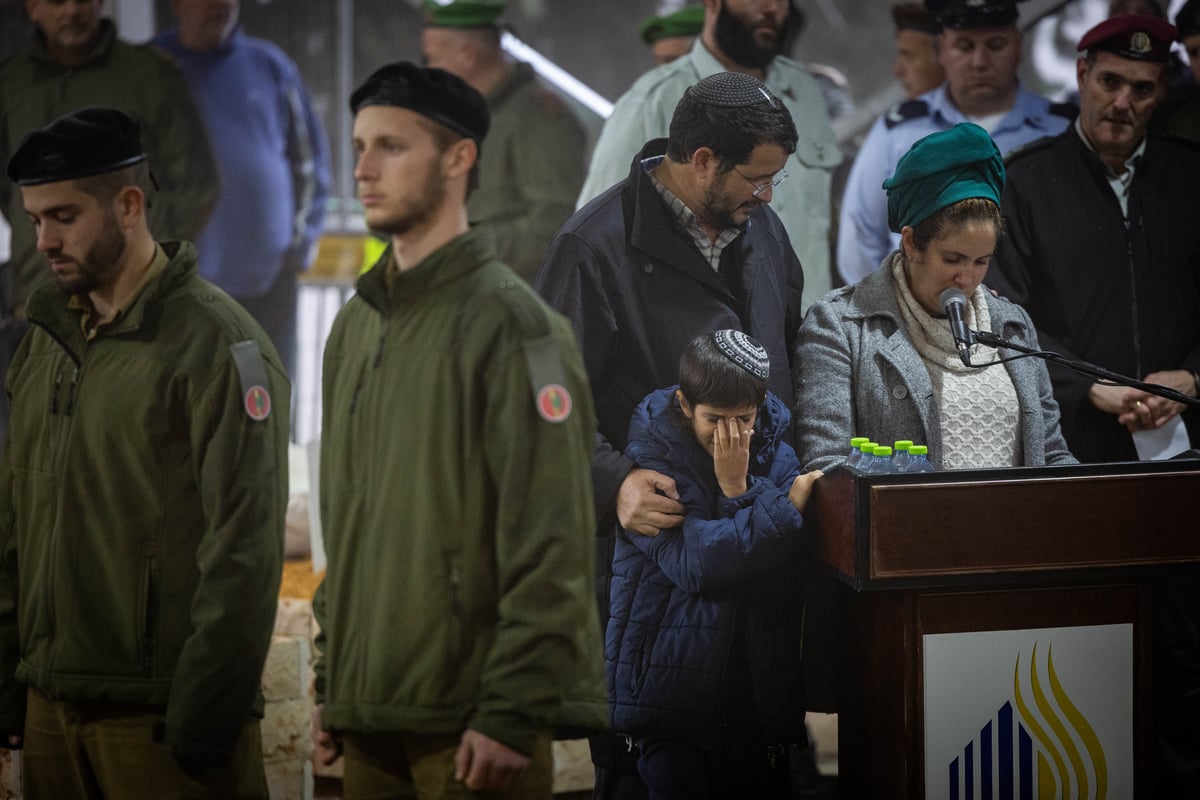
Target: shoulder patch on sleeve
1067 111
543 358
252 373
902 112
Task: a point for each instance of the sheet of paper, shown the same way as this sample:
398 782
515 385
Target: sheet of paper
1162 443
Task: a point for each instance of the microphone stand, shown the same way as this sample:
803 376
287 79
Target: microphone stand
992 340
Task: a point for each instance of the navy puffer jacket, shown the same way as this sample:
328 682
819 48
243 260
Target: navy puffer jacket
675 597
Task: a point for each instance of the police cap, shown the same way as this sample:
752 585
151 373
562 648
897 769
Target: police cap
965 14
90 141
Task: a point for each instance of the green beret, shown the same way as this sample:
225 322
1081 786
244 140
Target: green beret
463 13
941 169
90 141
687 21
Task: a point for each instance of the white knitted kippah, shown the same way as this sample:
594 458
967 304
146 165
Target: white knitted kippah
744 351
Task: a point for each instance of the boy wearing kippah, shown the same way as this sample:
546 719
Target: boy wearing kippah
704 641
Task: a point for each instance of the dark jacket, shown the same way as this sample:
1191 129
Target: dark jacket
142 509
637 291
454 505
1122 292
683 602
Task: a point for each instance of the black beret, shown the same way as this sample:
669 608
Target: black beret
434 93
966 14
1188 18
90 141
1140 37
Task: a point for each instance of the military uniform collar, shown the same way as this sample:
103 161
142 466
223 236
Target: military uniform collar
385 287
517 76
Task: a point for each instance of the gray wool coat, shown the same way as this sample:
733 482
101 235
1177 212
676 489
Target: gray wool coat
860 375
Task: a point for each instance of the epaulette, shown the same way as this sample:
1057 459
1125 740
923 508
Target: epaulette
1020 151
1066 110
520 300
902 112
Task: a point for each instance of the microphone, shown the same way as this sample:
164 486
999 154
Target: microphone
954 303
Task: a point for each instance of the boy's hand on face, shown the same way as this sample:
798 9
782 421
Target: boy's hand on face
802 488
731 456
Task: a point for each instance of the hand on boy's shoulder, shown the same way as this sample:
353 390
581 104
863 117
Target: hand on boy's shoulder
648 502
802 488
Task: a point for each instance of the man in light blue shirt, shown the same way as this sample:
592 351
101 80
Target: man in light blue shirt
980 49
739 36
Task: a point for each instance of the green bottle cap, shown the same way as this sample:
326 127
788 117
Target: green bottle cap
883 450
858 441
867 448
903 444
918 450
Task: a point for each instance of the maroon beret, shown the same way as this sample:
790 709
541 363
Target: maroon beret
1137 36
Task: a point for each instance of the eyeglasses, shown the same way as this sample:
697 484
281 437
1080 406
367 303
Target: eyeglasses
759 188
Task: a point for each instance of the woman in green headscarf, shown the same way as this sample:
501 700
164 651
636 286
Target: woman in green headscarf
878 359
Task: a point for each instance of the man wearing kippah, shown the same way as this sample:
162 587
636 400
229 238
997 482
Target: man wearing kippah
142 494
671 36
76 60
1104 253
685 245
536 145
458 619
980 49
746 36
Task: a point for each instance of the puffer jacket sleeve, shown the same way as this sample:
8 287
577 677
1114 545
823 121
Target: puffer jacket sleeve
741 537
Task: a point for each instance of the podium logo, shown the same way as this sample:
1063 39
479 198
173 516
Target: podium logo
1046 750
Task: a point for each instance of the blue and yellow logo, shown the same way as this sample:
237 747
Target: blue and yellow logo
1047 750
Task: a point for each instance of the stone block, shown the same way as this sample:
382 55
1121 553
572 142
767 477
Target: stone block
285 730
289 780
573 770
294 618
285 675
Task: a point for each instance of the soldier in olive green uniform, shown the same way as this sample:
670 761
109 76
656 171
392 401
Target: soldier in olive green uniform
142 495
536 146
458 618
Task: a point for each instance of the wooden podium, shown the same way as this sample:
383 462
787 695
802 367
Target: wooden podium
988 550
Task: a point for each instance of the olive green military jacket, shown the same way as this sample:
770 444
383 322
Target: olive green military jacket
531 168
142 498
142 81
456 505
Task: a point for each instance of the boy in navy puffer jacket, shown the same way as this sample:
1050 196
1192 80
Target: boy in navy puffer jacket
703 645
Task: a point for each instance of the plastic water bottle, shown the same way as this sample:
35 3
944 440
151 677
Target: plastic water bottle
881 461
855 453
900 454
918 459
866 456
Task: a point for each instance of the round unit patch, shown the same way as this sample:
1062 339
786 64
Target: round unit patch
258 403
554 403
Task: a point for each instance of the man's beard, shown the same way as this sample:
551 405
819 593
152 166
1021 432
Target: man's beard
420 211
715 209
738 43
100 261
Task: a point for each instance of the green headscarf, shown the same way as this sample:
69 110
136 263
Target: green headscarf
941 169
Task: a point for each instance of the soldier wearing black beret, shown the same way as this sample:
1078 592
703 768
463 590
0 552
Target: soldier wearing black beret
458 618
143 477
